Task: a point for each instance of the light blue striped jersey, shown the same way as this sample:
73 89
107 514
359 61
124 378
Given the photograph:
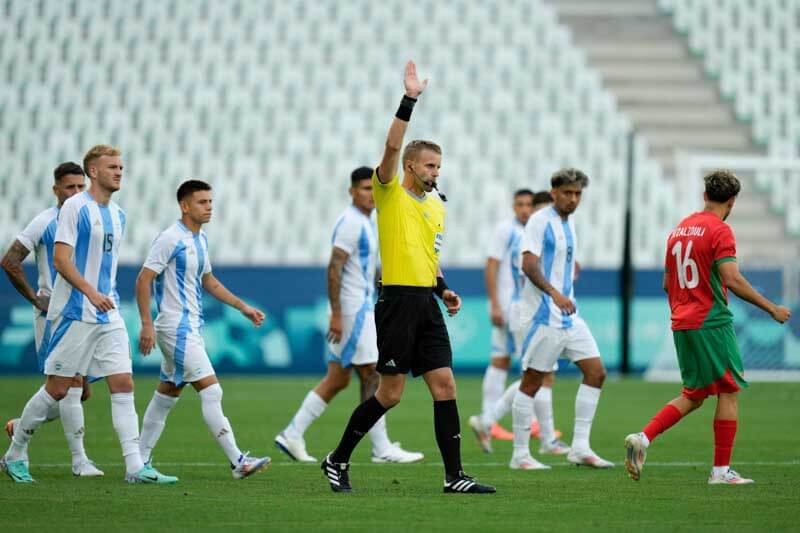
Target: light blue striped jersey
355 233
39 237
94 232
554 241
180 258
505 248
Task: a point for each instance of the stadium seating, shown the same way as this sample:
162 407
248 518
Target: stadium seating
751 47
276 102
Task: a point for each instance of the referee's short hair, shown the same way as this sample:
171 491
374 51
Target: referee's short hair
190 187
414 148
569 176
360 174
542 197
65 168
721 185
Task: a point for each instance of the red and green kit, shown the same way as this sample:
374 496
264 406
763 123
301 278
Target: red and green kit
702 324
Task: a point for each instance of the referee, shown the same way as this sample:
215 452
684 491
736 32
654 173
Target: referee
412 336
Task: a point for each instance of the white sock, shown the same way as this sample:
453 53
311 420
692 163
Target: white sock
53 413
33 416
501 407
585 407
719 470
645 440
312 408
522 411
211 405
126 424
71 412
543 405
155 418
494 381
379 437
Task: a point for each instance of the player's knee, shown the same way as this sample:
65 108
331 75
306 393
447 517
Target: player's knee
695 403
212 393
529 388
501 362
596 376
339 383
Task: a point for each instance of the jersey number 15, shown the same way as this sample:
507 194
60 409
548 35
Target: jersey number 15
108 242
688 274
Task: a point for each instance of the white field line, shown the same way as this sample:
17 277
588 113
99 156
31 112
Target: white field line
668 464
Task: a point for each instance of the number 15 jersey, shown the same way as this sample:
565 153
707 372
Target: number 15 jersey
698 298
94 232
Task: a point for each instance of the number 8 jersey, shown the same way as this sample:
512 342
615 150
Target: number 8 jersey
698 299
94 232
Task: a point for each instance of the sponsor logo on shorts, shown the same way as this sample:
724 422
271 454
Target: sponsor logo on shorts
391 363
58 366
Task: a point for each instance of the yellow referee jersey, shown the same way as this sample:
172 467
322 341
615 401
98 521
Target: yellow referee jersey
410 231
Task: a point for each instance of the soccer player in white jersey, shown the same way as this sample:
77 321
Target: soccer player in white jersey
351 334
504 281
547 326
39 237
85 334
179 269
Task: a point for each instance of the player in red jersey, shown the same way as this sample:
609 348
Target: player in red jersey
700 267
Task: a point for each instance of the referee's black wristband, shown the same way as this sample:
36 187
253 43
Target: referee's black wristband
405 109
441 286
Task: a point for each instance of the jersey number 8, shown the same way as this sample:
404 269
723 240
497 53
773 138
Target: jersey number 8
688 275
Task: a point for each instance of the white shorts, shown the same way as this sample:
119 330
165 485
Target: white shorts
359 344
39 323
71 348
503 343
544 345
185 358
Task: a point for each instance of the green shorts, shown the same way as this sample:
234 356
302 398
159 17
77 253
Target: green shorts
707 356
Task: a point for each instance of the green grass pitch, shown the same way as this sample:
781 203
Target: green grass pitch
673 494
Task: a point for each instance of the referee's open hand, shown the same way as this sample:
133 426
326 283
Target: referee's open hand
452 301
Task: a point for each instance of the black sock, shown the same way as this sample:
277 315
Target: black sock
448 436
361 421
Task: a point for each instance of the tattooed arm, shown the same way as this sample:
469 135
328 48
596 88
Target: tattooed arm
12 264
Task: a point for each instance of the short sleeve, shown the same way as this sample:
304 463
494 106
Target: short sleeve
533 237
724 244
383 191
32 234
499 241
67 229
207 262
346 235
160 253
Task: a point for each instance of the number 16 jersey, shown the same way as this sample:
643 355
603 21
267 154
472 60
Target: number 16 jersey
698 298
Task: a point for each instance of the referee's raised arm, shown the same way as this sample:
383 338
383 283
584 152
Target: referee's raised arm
394 140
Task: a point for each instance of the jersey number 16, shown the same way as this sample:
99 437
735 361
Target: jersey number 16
688 275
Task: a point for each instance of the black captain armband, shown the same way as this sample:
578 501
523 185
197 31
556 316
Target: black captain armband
441 286
405 109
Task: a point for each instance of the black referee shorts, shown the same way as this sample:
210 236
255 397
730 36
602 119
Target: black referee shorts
412 335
